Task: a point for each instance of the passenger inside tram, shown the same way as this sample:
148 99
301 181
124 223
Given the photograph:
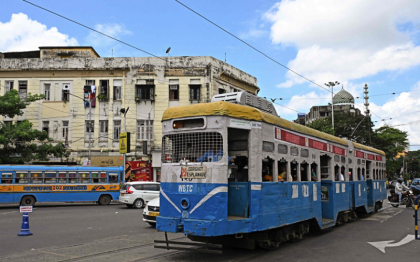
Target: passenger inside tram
267 170
313 175
294 167
282 172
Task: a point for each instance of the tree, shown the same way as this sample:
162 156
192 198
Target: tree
19 142
390 140
323 125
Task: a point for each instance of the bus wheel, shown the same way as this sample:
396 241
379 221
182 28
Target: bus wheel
28 201
104 200
139 203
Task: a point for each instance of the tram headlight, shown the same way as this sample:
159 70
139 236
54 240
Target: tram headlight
185 203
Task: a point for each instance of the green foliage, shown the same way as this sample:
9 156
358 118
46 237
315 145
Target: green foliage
323 125
19 142
390 140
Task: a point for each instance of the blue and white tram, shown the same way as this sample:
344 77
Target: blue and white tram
237 171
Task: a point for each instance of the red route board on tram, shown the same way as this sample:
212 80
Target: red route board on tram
281 134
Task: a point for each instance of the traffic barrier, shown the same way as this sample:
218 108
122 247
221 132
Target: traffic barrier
24 231
416 205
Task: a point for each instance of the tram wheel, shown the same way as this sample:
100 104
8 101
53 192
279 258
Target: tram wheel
104 200
27 201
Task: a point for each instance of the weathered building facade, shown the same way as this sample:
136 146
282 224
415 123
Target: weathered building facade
145 85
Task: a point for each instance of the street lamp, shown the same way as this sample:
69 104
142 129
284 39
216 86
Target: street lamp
331 85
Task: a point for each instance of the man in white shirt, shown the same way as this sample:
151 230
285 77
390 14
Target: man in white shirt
399 188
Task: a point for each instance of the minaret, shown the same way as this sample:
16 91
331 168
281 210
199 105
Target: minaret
366 100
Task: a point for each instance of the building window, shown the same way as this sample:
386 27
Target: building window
103 126
65 130
89 126
195 92
90 82
117 89
8 123
144 129
145 92
23 89
45 125
173 92
104 90
9 85
117 129
47 91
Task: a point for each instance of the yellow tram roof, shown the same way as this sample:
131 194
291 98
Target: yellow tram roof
221 108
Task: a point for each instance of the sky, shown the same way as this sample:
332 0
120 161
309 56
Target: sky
354 42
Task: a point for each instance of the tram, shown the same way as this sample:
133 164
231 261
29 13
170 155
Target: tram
235 173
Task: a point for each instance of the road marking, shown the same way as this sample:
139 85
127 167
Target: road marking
9 212
381 245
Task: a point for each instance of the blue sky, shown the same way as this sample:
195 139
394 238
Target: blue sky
353 42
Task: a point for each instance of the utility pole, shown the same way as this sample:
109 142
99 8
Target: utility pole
90 124
331 85
123 111
367 111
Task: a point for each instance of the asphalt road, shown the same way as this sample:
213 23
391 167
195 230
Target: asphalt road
89 232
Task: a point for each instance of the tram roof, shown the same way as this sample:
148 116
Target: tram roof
221 108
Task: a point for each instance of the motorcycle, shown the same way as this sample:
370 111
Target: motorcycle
407 198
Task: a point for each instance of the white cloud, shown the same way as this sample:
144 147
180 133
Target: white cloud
102 42
23 34
345 40
404 108
299 103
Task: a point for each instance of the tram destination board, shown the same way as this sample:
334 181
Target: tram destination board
197 172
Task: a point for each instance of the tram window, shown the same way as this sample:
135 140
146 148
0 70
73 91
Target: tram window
351 174
188 123
304 152
6 178
363 162
113 178
102 179
350 161
359 175
293 170
363 174
294 151
304 172
95 177
50 177
72 178
267 169
336 173
238 145
268 146
314 170
282 169
336 158
282 149
359 161
62 177
84 177
197 146
343 159
22 177
343 174
325 167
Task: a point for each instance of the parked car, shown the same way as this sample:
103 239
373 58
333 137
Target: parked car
137 194
151 211
415 186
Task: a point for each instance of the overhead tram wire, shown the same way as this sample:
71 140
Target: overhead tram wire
254 48
93 30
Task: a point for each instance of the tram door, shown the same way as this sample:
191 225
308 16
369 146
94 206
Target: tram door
238 185
369 184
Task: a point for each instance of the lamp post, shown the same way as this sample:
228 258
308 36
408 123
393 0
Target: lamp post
332 84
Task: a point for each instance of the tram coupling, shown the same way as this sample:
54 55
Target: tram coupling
189 246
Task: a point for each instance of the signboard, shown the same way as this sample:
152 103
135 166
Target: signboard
359 154
370 156
25 209
107 161
240 124
124 143
378 158
192 172
140 171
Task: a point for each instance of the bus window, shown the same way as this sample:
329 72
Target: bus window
95 177
72 178
84 177
50 177
6 178
36 178
103 177
62 177
113 178
22 177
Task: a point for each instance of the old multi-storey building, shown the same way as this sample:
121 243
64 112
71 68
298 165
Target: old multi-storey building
343 102
145 85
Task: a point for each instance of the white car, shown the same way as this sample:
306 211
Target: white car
137 194
151 211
